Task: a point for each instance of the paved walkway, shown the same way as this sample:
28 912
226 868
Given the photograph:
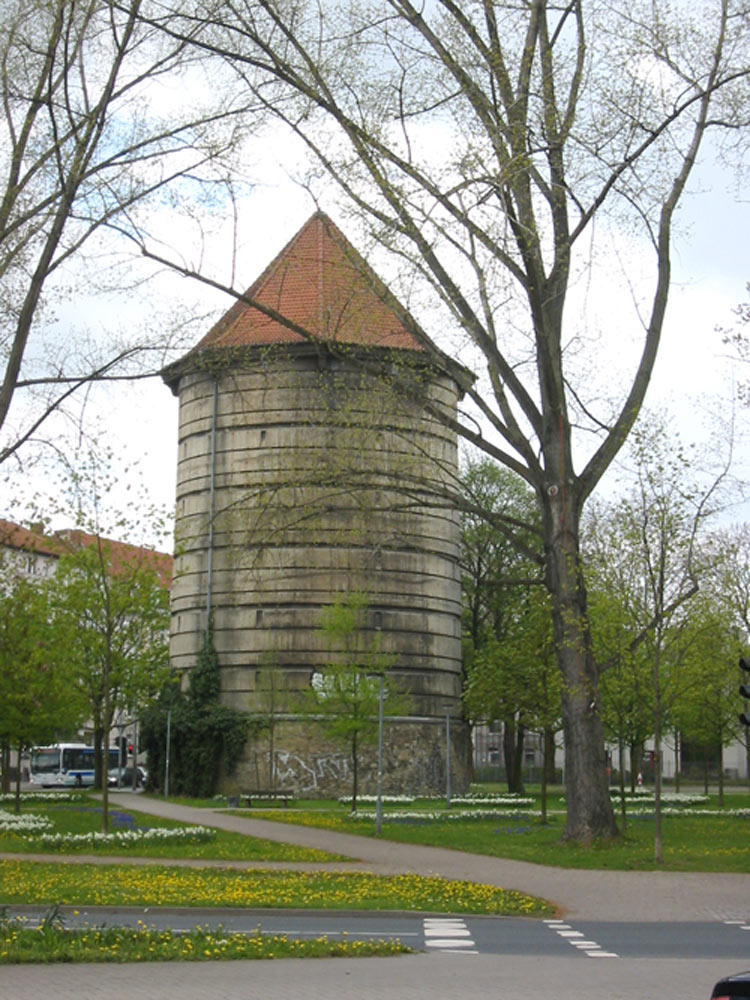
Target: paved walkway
598 895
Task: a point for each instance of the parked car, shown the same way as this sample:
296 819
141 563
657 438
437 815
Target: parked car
732 986
126 777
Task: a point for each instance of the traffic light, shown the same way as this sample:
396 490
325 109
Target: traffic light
745 691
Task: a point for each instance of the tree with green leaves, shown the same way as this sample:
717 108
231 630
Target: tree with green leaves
272 699
730 578
649 567
615 582
41 700
493 566
116 599
705 711
513 679
723 614
626 688
506 619
344 696
189 735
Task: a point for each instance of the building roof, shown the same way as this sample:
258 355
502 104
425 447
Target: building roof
15 536
61 543
118 554
317 288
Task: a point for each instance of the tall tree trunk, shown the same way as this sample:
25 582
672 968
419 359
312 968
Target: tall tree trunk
354 772
98 758
589 806
18 779
5 768
656 679
623 804
271 754
520 742
105 741
511 735
721 769
105 781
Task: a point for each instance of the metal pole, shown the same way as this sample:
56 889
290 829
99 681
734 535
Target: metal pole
211 505
379 803
135 752
447 756
120 728
166 769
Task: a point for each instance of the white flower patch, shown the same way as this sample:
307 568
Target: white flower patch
480 796
683 798
490 800
403 800
669 811
127 838
434 817
8 798
25 823
673 798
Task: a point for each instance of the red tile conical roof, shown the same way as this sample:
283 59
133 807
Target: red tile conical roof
323 289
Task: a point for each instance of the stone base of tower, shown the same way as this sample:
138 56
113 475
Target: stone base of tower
305 763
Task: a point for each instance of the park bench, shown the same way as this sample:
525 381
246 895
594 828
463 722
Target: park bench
261 795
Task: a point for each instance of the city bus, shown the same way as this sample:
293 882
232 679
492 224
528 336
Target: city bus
66 764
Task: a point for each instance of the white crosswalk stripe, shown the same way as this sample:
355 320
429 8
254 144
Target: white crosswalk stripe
578 940
448 934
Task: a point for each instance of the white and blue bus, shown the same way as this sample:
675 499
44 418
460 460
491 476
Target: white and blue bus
66 764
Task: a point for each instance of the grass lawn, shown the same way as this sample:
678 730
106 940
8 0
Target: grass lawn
129 885
695 840
83 816
699 838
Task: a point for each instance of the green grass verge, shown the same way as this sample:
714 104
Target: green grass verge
700 843
132 885
83 817
45 944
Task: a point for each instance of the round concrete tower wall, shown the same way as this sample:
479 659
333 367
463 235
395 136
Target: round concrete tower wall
305 476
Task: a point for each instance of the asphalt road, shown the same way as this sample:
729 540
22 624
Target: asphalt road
485 935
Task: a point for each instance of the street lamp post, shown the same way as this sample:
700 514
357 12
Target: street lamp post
166 767
379 801
447 756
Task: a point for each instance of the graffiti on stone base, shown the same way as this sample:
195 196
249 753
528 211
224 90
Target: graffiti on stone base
313 773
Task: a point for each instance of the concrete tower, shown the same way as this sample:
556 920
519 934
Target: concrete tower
313 462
